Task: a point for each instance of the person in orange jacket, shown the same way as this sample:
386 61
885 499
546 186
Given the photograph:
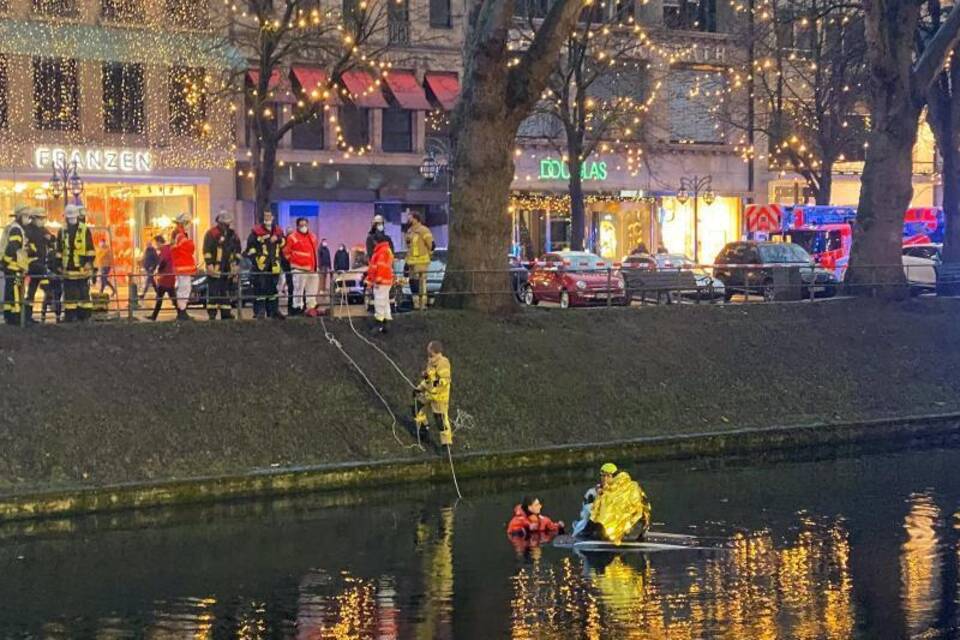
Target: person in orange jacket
380 277
528 521
301 251
183 252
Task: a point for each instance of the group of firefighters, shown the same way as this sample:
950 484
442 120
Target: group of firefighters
63 264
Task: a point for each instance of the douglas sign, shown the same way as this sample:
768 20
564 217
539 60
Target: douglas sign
553 169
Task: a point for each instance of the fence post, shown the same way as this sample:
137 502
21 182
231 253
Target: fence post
331 292
131 298
609 287
23 300
239 296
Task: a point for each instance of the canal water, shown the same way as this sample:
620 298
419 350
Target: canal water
864 546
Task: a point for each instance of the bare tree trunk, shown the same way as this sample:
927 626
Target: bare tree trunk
825 186
943 115
578 215
265 168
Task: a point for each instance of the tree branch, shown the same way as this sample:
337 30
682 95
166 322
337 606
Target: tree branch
935 53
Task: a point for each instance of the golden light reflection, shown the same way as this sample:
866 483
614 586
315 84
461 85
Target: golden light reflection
920 564
753 590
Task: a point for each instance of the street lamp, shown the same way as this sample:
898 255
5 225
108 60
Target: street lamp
696 187
431 168
66 181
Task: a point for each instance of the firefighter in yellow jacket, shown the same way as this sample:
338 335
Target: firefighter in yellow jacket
434 391
419 251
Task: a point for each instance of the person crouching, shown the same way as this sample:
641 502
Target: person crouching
380 276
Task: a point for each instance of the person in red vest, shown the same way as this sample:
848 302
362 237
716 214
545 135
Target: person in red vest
380 277
183 252
528 521
301 251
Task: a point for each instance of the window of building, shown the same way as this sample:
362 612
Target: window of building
122 10
693 98
310 134
690 15
397 130
440 14
190 14
532 8
355 125
398 22
351 11
188 101
56 94
122 98
4 90
56 8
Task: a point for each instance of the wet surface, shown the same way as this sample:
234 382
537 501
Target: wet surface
858 547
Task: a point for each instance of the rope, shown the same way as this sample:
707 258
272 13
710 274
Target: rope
343 306
453 472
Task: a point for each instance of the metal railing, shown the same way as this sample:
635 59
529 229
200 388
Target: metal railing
43 298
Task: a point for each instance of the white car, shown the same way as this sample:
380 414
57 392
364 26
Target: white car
920 265
351 283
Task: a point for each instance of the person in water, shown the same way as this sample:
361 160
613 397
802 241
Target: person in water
529 522
616 502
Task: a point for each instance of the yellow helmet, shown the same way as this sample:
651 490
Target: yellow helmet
609 467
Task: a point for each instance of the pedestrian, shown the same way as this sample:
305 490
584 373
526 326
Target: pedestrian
377 231
149 263
301 251
341 259
221 254
183 251
264 248
38 255
75 255
166 277
14 264
419 252
434 392
105 266
325 264
380 277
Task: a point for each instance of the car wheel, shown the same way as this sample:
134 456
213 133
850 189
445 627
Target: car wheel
564 300
528 298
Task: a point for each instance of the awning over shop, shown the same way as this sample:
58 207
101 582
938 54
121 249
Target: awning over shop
277 82
91 42
364 90
445 87
314 79
407 91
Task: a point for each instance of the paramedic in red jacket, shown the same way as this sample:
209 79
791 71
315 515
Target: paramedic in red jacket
183 252
528 522
301 250
380 277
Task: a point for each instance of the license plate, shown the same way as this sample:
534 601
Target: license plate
818 289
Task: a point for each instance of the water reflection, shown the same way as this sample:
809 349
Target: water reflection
921 564
755 590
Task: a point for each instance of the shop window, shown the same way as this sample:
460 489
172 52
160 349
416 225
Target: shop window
56 94
56 8
355 126
122 10
188 101
310 134
189 14
397 130
4 89
693 99
440 14
122 98
690 15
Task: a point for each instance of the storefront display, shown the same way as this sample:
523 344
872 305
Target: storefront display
718 223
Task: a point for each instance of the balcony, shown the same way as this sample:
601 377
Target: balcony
399 33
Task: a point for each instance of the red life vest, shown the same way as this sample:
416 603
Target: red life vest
380 270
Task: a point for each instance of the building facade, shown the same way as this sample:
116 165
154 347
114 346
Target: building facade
106 102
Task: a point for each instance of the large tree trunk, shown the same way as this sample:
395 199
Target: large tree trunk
578 216
825 186
265 168
943 115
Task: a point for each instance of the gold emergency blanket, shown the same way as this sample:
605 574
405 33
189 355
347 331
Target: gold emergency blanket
620 506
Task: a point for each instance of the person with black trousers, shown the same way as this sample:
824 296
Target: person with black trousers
324 264
151 260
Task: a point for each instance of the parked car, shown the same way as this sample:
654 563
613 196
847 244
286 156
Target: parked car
199 286
748 267
921 264
352 283
637 265
574 278
435 273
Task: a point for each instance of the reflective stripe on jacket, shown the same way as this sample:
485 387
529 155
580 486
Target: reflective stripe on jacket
380 270
419 245
75 251
183 250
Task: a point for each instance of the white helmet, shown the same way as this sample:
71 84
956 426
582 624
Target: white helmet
378 219
72 211
182 218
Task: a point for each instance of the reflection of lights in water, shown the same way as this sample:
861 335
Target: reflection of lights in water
920 564
343 606
436 618
183 618
754 590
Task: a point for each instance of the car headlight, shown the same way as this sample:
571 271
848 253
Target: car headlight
581 284
619 284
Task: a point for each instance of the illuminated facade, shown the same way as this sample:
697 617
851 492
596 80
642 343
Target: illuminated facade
119 91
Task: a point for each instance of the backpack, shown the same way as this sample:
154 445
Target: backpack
5 234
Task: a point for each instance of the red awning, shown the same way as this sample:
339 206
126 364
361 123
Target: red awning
314 79
277 83
445 87
364 91
408 92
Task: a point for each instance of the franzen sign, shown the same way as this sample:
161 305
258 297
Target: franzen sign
95 160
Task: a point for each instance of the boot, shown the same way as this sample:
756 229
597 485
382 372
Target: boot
183 316
226 314
383 327
212 314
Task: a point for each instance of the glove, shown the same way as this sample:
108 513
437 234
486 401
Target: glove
212 271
